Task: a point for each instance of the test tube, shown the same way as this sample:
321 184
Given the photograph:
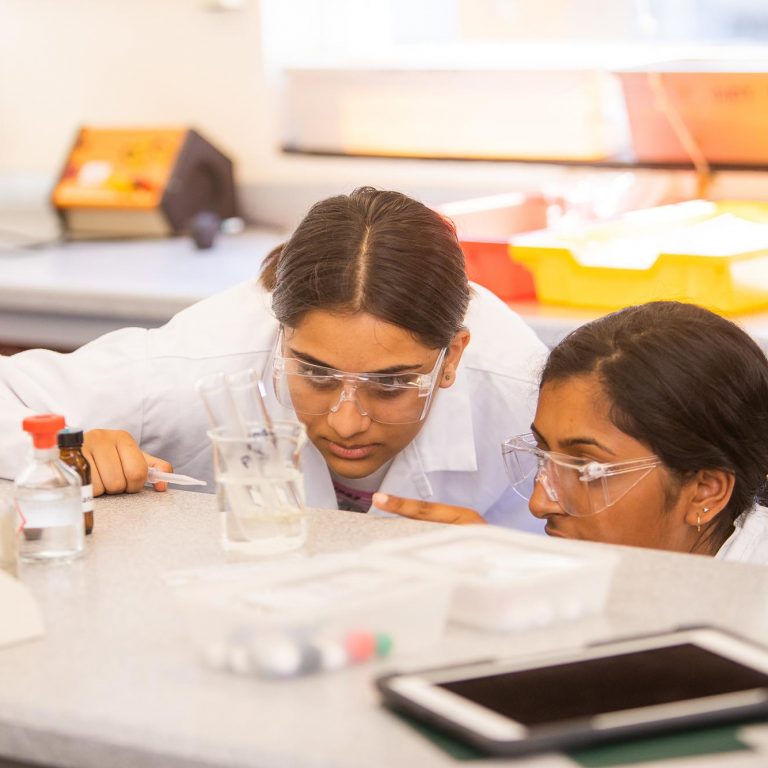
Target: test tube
220 405
246 391
248 399
223 415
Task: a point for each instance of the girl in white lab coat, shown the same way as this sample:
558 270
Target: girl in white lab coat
366 330
651 430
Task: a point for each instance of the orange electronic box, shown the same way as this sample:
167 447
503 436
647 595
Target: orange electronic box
134 182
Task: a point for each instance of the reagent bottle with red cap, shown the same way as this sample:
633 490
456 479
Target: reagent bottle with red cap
48 498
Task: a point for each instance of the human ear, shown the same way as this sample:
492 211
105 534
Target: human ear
709 492
453 356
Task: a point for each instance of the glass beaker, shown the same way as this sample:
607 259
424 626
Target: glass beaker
260 487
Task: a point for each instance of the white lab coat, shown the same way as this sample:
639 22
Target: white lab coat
749 541
143 381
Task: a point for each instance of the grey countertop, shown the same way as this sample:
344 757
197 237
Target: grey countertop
117 682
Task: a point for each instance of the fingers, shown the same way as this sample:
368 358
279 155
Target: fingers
118 465
106 473
162 465
418 509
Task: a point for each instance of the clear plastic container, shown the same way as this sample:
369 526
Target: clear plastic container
269 619
48 498
507 580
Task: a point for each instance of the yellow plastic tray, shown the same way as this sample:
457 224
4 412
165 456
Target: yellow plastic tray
652 254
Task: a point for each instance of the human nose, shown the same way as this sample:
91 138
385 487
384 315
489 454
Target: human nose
347 417
541 504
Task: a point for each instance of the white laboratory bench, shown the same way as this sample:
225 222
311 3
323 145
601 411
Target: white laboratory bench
63 296
116 681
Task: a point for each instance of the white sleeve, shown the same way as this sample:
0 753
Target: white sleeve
140 380
101 385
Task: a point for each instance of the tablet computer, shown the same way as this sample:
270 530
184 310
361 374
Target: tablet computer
600 693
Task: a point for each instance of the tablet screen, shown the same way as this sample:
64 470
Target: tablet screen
608 684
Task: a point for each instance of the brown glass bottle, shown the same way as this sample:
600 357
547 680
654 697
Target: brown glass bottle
70 452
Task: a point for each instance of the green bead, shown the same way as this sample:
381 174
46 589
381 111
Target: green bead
384 644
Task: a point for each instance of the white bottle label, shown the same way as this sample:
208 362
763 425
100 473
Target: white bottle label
87 496
50 507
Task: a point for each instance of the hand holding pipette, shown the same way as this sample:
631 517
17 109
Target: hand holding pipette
118 465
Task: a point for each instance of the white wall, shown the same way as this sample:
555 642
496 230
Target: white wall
127 62
64 63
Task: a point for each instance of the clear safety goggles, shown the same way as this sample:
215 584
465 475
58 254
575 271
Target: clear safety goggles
388 398
580 486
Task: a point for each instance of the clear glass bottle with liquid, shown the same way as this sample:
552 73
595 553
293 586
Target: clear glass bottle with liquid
71 453
48 497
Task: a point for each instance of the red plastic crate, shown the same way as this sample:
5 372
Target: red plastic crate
484 226
488 264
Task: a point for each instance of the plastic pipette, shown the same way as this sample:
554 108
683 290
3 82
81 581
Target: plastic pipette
156 476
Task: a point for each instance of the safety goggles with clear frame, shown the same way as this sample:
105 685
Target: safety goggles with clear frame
581 487
387 398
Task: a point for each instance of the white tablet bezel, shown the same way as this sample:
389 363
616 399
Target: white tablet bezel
422 688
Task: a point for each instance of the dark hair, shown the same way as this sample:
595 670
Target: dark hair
687 383
377 252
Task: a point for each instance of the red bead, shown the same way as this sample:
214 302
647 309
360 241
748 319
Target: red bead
360 646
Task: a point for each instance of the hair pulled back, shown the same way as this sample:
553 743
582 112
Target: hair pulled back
377 252
687 383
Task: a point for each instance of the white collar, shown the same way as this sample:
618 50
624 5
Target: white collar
446 441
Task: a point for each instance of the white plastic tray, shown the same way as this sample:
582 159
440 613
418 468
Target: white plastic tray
507 580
